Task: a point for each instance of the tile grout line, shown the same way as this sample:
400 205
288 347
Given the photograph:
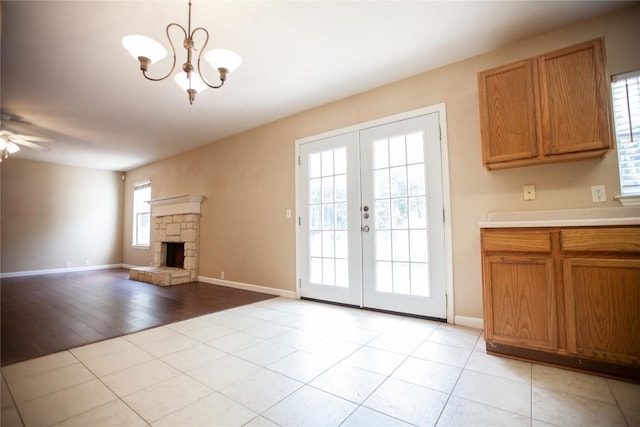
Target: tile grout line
118 397
457 380
15 404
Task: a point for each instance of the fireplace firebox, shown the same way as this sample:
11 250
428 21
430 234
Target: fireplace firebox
174 254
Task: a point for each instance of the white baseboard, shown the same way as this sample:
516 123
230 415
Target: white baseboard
248 287
60 270
471 322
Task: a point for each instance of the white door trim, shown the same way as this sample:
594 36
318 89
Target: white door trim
446 199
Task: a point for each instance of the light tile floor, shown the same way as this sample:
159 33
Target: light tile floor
285 362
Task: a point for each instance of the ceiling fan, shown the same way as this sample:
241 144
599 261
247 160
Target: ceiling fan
11 141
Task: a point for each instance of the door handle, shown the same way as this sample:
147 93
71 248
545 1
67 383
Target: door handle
365 228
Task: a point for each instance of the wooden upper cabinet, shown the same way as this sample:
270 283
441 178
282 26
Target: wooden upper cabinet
508 117
551 108
574 99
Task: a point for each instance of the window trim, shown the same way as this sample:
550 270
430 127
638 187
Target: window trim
136 187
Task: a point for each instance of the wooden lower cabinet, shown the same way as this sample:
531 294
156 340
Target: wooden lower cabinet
564 296
520 295
602 298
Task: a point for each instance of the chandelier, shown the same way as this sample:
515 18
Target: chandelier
190 79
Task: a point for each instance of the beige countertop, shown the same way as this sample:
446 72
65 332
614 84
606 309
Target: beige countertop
564 218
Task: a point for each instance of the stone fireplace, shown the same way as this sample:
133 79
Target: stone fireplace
176 228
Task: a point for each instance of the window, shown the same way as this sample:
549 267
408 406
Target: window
626 111
141 214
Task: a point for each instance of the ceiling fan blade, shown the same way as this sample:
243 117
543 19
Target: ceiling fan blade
25 143
36 138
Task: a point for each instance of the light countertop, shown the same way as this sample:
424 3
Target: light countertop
564 218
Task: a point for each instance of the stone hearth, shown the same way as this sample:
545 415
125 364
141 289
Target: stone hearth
175 219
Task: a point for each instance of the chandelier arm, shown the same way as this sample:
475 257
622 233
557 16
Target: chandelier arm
173 50
200 56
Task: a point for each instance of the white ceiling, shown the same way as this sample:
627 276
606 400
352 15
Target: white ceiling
66 75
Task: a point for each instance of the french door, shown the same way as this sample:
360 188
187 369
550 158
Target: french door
371 218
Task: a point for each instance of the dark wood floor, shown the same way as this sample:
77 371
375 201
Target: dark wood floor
49 313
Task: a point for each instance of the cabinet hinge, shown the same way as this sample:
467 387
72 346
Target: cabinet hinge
299 283
298 160
443 216
299 222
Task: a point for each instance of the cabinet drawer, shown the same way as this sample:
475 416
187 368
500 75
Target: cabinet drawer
516 240
601 239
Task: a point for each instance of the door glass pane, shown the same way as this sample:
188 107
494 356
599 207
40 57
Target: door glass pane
342 273
398 178
401 233
315 239
341 216
415 152
381 154
419 279
399 213
340 161
328 215
315 190
327 189
342 245
381 183
397 153
315 215
383 214
340 193
328 245
415 178
328 219
401 278
327 163
383 245
384 277
314 165
400 245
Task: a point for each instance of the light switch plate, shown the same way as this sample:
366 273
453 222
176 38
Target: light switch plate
529 192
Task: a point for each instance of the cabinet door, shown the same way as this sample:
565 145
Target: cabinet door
602 298
519 301
507 113
574 99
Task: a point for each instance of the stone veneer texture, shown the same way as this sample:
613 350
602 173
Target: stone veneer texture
178 228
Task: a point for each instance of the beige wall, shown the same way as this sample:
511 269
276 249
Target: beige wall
248 179
53 214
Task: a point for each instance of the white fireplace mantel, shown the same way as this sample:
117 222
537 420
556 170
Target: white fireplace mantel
176 205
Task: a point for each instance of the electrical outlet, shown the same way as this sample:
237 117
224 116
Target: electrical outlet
598 193
288 213
68 264
86 262
529 192
222 274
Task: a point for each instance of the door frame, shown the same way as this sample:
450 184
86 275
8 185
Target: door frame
444 159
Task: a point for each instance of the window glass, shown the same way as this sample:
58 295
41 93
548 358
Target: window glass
141 214
626 111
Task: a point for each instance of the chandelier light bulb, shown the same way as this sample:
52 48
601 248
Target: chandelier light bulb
196 82
223 58
143 46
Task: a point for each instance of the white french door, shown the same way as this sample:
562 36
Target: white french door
371 218
330 247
